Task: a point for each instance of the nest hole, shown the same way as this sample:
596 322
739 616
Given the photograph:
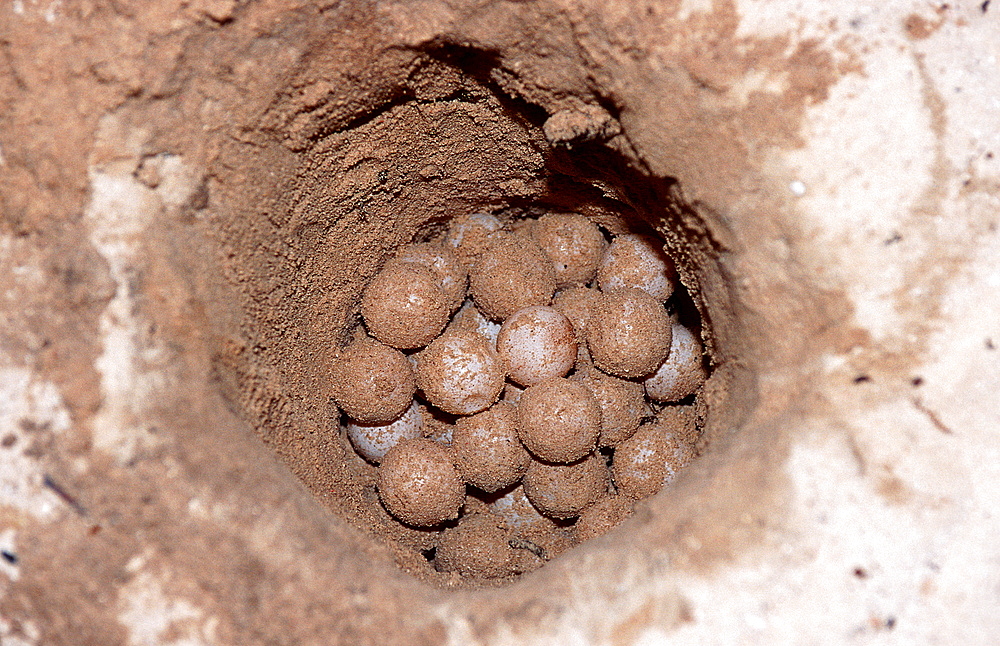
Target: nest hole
334 194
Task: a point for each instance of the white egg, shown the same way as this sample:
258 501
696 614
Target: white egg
535 343
372 441
682 372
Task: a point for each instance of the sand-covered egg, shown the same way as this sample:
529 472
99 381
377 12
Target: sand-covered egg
536 343
468 234
638 261
469 318
559 420
621 401
537 538
564 490
575 304
573 243
477 547
487 451
460 373
418 483
373 439
650 459
404 305
511 273
628 333
603 516
371 382
444 263
682 372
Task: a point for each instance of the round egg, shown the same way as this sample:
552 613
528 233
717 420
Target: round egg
621 401
535 343
603 516
539 545
536 538
460 373
373 439
418 483
404 306
371 382
477 547
573 243
564 490
487 451
443 262
559 420
628 333
575 304
511 273
468 234
638 261
650 459
682 372
470 318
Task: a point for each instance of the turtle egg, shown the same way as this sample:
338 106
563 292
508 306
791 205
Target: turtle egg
512 273
603 516
371 382
442 261
650 459
460 373
477 547
467 235
559 420
682 372
470 318
638 261
540 537
573 243
564 490
621 401
418 483
535 343
628 333
488 453
404 306
372 440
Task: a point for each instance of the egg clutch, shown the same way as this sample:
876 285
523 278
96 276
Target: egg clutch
520 385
